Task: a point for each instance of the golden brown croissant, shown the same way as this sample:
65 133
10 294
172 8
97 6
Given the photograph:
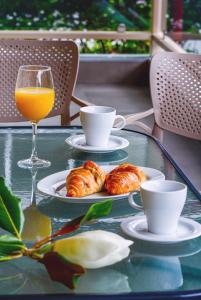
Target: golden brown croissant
85 180
131 168
123 179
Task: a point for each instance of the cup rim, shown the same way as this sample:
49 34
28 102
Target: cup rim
148 186
86 109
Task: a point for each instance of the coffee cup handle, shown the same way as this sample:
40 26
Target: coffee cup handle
121 125
132 202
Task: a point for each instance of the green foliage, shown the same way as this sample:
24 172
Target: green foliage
9 245
45 249
114 47
97 210
11 215
81 15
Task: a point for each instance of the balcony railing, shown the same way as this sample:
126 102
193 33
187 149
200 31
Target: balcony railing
159 40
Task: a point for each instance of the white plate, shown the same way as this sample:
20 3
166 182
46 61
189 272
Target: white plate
115 143
137 228
49 185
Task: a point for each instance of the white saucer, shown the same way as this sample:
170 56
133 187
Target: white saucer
79 142
137 228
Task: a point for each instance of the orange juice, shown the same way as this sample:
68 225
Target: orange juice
34 103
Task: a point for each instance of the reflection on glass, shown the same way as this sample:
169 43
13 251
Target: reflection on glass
10 274
36 225
156 267
157 272
64 211
118 156
103 282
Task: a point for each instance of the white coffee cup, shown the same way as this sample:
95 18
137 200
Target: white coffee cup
97 123
163 202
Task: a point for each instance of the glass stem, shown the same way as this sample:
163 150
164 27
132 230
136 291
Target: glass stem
34 147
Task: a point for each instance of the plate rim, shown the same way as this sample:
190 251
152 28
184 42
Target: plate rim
85 199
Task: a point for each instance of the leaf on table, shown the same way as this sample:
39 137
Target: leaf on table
95 211
10 257
11 214
10 248
10 245
62 270
44 249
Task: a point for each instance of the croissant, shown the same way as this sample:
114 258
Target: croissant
85 180
123 179
131 168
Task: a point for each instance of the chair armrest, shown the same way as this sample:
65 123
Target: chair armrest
130 119
143 126
133 119
80 102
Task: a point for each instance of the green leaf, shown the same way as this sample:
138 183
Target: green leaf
45 249
11 215
97 210
6 258
61 270
9 245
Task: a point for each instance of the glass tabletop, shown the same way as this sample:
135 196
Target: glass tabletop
149 269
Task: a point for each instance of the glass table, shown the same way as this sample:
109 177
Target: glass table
152 271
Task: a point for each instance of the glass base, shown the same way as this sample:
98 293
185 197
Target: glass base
36 163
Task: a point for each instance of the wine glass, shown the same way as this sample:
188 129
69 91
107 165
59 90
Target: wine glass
34 94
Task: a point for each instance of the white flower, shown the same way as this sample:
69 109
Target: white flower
94 249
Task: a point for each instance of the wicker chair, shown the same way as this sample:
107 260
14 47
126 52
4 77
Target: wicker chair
175 82
62 56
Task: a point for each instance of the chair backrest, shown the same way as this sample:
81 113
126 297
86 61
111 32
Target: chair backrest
175 81
62 56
